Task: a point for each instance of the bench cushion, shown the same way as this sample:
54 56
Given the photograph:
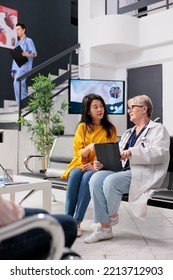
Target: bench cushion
162 199
166 195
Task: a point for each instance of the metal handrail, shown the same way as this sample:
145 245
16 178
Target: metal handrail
138 5
59 80
48 62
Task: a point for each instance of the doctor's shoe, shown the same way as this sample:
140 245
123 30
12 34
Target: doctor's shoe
98 235
95 226
113 222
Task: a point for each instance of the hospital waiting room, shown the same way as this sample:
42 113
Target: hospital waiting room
86 135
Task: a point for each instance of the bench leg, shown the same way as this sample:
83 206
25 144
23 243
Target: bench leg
26 196
54 198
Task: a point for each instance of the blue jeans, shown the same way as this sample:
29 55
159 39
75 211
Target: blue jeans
107 188
35 244
78 195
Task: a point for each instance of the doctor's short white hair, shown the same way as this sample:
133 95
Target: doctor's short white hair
142 100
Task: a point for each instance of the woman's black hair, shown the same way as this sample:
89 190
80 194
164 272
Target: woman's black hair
87 119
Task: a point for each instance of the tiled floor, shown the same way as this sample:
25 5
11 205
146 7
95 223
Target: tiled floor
133 238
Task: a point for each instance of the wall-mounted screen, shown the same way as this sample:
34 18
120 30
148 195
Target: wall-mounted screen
112 91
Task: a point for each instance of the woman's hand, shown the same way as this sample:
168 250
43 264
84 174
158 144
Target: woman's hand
87 166
91 147
87 150
125 155
97 165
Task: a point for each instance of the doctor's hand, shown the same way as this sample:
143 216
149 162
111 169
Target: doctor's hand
97 165
125 155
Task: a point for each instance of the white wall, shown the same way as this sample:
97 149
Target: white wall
16 145
111 44
8 151
69 120
167 94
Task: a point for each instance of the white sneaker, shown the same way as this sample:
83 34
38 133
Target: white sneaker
95 226
113 222
98 235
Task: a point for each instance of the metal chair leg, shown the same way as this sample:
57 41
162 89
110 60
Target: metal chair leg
26 196
31 192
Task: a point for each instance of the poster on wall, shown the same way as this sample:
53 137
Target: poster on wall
8 21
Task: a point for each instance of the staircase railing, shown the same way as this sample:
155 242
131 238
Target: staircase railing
140 7
58 81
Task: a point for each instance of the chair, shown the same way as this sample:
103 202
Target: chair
50 225
60 156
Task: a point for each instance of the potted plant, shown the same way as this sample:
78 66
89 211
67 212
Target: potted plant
58 129
45 117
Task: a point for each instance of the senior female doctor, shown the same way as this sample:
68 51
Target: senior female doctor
144 151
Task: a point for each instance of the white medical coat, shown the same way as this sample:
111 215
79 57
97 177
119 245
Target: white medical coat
148 164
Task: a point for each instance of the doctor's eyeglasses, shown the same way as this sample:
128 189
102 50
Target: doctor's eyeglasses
133 106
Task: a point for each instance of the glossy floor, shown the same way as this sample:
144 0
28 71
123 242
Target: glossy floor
134 239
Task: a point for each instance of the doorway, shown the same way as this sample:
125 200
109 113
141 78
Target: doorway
146 80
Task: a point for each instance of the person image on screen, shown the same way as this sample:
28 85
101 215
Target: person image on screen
29 51
33 244
144 153
94 127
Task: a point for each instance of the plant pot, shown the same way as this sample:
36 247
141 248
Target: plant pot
59 133
43 171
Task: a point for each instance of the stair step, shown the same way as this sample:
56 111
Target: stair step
9 114
9 125
8 117
9 103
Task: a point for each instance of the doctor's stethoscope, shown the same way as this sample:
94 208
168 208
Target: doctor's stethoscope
142 137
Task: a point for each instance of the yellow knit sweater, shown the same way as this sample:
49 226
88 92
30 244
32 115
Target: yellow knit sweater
84 137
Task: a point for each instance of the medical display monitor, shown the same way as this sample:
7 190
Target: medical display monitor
112 91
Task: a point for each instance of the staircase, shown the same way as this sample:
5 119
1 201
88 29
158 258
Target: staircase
11 112
9 115
16 144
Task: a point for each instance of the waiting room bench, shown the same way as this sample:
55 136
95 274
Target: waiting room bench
62 153
163 197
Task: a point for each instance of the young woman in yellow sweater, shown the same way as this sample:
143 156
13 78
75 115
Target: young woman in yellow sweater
94 127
